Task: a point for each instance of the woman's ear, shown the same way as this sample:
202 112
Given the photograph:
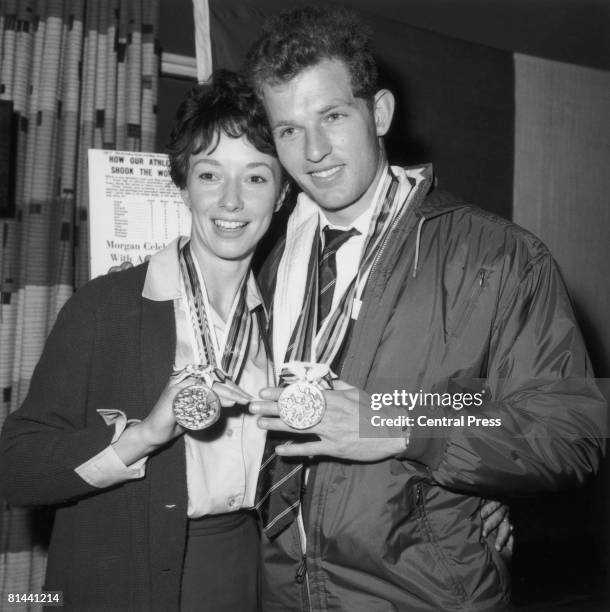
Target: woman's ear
383 110
185 197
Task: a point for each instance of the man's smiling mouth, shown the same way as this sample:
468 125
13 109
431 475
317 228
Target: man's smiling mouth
325 174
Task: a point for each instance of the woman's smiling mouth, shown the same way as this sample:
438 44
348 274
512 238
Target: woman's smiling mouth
229 226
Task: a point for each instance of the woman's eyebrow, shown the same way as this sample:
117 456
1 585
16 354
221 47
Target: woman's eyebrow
259 163
207 160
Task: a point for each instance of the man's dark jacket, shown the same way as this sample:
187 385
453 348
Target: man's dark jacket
476 304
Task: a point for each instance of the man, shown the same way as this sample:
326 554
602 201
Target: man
431 296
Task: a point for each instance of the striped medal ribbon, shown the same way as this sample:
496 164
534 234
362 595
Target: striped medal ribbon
302 404
305 344
280 481
197 406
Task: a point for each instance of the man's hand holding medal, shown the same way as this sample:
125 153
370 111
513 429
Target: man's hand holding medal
311 404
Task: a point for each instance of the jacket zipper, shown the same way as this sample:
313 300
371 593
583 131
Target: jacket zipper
301 570
383 244
301 576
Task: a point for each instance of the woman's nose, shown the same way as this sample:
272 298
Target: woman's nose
231 198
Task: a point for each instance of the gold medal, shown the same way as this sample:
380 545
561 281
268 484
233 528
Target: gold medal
196 407
301 405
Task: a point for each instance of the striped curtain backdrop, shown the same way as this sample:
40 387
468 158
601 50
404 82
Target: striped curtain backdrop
80 74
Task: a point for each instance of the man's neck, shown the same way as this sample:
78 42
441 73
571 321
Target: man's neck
361 222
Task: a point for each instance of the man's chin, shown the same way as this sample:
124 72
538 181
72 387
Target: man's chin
331 200
336 205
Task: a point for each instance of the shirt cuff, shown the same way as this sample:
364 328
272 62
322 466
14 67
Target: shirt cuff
106 468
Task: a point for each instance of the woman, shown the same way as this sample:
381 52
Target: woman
151 515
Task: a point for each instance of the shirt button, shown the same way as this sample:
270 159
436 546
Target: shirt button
229 433
231 502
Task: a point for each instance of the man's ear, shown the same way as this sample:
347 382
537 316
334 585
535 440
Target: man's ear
283 193
383 110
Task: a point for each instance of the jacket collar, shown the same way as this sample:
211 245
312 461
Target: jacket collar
436 201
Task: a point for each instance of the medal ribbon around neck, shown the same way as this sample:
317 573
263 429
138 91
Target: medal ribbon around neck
237 339
328 341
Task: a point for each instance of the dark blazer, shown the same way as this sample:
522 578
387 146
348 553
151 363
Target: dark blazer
119 548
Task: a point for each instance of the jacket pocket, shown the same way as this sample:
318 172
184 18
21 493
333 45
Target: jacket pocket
443 563
463 317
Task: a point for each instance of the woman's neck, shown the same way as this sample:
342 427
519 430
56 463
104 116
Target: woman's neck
222 279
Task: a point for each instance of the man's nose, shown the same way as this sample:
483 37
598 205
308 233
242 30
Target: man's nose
317 144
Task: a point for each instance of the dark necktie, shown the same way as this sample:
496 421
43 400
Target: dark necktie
327 270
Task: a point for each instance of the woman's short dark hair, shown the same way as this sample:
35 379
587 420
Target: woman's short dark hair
301 38
224 104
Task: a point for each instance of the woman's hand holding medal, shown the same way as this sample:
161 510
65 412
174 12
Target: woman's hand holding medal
197 405
163 420
160 425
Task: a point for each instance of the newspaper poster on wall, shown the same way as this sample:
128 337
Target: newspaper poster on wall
135 209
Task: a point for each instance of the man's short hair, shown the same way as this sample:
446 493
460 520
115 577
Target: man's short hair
224 104
295 40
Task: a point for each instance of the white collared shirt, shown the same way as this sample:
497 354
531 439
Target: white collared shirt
348 255
222 463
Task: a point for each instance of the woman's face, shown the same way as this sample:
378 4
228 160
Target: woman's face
232 192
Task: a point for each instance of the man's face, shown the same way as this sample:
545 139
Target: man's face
326 138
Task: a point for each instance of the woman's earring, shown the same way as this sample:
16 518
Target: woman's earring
283 193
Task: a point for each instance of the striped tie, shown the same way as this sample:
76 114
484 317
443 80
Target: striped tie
333 240
278 494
